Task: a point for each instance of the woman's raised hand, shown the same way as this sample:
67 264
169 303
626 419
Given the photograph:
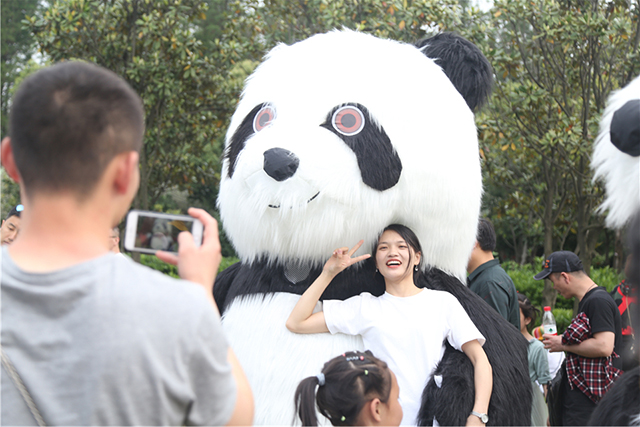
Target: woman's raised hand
343 258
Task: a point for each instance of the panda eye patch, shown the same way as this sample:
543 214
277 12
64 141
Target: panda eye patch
263 118
348 120
380 165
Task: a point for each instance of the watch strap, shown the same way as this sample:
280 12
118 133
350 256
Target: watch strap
483 417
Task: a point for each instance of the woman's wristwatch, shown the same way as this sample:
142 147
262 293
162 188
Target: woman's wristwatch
483 417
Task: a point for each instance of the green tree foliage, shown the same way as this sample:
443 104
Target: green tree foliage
556 62
257 25
16 48
10 190
212 28
150 44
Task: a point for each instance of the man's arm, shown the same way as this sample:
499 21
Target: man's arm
243 411
200 265
601 345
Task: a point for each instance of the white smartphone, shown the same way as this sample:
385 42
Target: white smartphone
149 232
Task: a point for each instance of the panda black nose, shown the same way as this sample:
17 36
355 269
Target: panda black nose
280 164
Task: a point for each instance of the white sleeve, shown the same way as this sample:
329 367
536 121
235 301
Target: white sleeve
461 328
347 316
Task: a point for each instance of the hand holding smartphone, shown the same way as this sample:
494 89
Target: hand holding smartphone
158 233
149 232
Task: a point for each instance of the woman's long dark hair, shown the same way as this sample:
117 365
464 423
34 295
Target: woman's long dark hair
350 381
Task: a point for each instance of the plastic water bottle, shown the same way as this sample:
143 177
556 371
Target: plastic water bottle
549 322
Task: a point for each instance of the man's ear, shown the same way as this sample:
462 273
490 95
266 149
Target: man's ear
6 151
126 171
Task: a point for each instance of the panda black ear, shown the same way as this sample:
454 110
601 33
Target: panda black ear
464 64
625 128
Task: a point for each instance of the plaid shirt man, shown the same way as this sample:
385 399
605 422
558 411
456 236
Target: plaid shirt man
593 376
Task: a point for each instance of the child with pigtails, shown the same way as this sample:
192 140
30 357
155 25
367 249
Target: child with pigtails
355 388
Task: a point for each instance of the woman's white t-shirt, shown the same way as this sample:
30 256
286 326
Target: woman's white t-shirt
406 332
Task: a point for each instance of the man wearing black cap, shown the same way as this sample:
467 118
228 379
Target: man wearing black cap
591 341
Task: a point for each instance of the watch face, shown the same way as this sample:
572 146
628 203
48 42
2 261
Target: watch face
484 418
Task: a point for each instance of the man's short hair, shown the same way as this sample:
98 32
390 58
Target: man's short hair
486 235
68 121
15 211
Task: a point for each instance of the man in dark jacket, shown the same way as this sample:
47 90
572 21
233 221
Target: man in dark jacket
488 279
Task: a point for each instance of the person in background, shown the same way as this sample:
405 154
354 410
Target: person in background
538 363
355 388
627 306
11 225
488 279
114 240
592 340
88 337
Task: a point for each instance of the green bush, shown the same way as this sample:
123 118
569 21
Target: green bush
563 318
606 276
227 262
153 262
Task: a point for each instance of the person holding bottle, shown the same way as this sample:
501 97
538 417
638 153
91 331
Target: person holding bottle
592 340
538 363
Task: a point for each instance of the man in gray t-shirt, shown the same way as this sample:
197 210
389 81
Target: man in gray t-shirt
95 338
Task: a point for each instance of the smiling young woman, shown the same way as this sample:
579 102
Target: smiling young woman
393 325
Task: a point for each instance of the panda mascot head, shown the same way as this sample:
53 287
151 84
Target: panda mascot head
340 135
616 161
334 138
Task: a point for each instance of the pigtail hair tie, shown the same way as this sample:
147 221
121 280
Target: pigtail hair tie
321 379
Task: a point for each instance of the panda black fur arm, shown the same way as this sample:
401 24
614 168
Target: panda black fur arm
506 350
263 277
222 284
621 404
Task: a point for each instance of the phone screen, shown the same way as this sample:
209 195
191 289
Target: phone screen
160 234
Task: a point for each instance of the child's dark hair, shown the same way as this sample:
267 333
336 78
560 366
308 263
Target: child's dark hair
528 310
344 386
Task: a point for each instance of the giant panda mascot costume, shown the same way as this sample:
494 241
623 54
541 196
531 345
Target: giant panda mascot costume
616 161
334 138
